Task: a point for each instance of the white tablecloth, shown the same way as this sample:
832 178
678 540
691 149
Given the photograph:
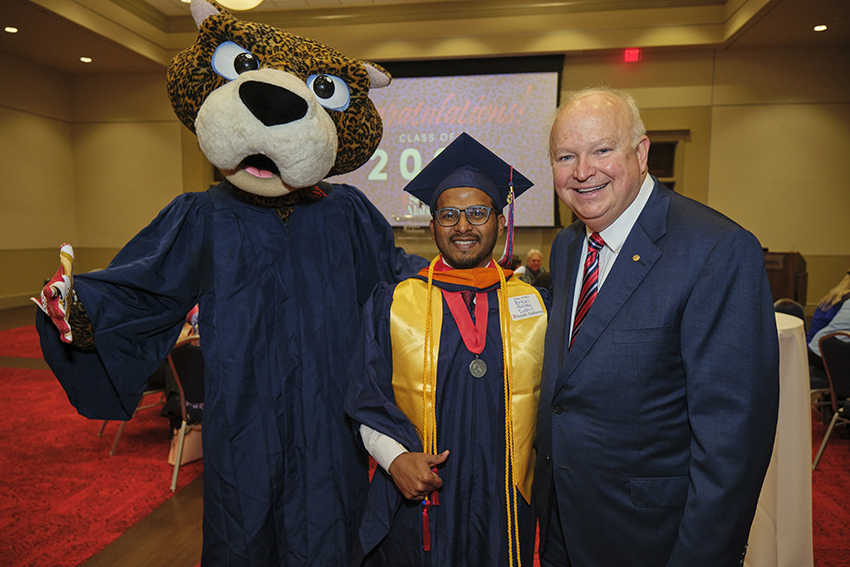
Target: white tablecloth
781 535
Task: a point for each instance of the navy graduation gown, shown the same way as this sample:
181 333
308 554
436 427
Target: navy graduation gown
280 309
469 527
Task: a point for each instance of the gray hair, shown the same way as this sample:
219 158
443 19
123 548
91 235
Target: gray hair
637 128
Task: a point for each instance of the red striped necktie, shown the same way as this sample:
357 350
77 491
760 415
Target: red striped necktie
590 285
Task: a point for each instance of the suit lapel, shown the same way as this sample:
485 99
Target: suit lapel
635 260
569 274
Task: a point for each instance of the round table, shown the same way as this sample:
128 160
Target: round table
781 534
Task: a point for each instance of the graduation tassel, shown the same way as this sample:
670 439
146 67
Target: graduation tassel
431 500
426 525
507 257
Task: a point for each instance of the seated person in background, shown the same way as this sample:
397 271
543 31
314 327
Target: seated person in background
533 266
171 409
518 268
829 306
840 322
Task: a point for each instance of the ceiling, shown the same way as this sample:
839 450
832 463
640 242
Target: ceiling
54 42
142 35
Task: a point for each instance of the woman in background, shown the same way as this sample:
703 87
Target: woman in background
829 306
533 266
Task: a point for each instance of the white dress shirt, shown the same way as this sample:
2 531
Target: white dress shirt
614 236
841 322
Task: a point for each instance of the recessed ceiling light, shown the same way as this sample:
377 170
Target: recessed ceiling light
820 28
240 4
85 59
10 29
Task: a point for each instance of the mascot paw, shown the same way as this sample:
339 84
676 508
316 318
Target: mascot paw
58 294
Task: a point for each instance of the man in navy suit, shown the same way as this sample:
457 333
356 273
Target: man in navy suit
660 394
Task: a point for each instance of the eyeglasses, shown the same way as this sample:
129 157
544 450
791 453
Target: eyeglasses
449 216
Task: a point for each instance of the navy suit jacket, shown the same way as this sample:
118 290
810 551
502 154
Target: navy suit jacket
657 427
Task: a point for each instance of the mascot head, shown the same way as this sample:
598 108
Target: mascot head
273 111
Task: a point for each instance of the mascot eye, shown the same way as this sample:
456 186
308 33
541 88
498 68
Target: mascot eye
245 62
230 60
332 92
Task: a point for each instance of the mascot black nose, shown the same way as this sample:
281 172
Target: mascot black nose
272 105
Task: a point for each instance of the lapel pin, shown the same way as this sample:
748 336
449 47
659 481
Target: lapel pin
636 257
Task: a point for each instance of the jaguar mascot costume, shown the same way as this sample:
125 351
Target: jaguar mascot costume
279 262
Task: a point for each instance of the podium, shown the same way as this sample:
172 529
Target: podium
786 272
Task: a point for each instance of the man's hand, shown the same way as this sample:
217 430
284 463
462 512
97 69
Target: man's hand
412 474
58 294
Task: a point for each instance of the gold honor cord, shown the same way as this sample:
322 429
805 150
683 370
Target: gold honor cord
510 495
429 416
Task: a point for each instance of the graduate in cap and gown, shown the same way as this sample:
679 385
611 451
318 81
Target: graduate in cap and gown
446 379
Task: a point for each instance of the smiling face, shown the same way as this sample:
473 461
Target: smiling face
597 165
534 261
466 245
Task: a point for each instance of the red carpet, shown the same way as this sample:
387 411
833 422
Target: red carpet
831 498
21 342
62 497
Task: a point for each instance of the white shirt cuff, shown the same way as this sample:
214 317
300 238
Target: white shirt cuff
383 448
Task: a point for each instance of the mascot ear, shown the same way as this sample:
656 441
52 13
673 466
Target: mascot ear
201 10
378 76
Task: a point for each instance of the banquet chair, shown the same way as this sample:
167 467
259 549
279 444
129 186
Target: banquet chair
835 352
156 385
187 364
817 393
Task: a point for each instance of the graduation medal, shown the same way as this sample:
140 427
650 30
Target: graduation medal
478 367
473 330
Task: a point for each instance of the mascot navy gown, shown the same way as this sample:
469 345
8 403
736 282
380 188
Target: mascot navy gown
280 264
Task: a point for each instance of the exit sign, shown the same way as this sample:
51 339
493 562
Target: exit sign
631 55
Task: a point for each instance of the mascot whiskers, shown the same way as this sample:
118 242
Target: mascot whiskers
279 262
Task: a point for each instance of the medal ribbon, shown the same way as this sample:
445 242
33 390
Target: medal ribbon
474 334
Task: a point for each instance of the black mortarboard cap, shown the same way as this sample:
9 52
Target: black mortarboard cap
467 163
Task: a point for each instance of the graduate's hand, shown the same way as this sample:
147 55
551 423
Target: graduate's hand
412 474
57 296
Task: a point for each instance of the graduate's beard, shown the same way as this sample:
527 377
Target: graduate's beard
467 262
460 260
